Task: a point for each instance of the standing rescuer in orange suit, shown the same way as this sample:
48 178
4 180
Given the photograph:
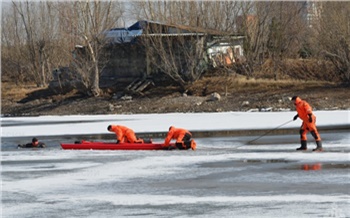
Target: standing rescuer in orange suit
304 111
124 134
182 136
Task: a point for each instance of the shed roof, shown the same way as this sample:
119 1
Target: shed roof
154 28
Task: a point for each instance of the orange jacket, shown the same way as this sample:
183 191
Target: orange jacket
123 132
303 109
175 133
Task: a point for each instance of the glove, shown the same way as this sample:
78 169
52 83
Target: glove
117 142
295 117
310 118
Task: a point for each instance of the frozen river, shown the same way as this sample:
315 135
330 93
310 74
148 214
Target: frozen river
224 177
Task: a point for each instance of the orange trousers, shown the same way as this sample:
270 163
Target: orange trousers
130 137
309 127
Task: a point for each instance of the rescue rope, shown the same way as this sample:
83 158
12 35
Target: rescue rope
269 131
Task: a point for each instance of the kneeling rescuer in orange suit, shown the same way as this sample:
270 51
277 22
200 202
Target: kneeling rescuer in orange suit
304 111
124 134
182 137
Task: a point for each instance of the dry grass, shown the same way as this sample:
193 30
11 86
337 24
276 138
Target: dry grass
13 92
299 69
240 84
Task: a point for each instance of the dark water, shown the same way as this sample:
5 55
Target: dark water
53 142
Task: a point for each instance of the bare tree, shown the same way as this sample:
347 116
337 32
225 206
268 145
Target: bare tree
181 56
86 22
333 35
273 30
42 35
31 36
12 65
178 57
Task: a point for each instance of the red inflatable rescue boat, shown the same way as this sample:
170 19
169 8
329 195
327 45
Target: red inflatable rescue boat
87 145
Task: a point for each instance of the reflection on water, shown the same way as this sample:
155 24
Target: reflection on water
316 166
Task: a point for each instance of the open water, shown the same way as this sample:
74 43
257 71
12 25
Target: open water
224 177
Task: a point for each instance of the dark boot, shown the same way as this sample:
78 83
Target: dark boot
147 140
319 146
303 146
180 145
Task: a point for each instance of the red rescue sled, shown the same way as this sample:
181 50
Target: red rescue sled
87 145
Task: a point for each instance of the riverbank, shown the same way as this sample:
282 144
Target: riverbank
235 95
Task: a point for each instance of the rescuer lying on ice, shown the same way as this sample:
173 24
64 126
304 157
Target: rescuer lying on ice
183 138
124 134
309 123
